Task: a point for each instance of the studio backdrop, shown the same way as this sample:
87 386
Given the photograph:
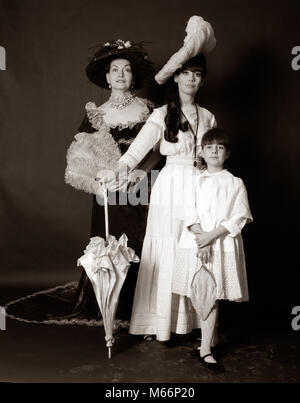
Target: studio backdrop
252 87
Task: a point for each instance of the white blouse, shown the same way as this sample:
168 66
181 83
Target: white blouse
152 136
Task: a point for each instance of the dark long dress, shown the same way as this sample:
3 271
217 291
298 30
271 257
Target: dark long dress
127 219
75 303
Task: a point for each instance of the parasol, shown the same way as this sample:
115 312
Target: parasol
106 262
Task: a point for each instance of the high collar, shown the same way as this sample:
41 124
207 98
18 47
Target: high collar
209 174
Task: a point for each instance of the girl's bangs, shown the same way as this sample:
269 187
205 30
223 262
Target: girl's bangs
215 136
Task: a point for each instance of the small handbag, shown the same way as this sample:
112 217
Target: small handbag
203 290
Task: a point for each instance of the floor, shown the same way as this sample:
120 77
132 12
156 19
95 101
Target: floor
254 347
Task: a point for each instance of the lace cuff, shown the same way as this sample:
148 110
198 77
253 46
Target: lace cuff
129 160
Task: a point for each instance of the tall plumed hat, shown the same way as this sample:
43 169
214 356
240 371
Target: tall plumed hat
133 52
199 39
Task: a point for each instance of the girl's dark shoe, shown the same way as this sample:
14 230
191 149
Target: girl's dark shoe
214 367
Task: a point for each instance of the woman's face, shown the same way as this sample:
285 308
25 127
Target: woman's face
120 76
188 82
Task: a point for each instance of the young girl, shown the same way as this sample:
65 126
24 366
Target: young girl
213 220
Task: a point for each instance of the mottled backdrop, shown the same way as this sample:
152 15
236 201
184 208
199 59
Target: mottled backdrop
251 88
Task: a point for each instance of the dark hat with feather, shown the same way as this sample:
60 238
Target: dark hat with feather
142 67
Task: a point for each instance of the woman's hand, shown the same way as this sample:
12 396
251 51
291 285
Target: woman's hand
204 254
105 177
99 189
114 180
135 178
121 178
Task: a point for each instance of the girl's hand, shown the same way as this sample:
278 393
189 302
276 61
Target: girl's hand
204 254
206 238
99 189
203 239
196 229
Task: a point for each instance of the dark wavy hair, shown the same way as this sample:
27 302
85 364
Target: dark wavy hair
173 119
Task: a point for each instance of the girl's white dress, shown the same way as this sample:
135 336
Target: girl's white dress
155 309
217 199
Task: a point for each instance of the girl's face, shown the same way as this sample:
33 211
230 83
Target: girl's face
189 81
214 155
120 75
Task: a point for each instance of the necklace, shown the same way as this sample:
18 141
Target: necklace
121 102
194 134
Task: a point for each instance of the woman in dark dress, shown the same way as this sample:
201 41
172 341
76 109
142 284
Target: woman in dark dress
121 67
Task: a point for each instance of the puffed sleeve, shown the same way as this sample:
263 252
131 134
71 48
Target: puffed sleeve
239 214
148 137
91 120
86 126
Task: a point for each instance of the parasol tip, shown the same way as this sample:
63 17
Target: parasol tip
109 353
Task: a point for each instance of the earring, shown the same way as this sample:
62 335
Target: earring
109 86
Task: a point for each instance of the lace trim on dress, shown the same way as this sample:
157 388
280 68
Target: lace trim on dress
118 324
95 115
228 269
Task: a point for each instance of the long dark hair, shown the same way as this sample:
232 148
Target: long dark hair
173 119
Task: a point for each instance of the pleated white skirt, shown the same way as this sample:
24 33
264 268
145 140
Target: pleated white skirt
155 309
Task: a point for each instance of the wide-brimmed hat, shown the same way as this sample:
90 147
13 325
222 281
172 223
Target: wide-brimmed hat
133 52
199 39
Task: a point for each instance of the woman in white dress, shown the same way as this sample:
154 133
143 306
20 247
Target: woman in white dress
176 129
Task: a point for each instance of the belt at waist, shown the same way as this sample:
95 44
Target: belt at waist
180 161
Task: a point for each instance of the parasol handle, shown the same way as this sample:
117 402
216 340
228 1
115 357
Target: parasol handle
109 353
105 210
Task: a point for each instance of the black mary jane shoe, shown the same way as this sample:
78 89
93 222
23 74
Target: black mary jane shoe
214 367
196 351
